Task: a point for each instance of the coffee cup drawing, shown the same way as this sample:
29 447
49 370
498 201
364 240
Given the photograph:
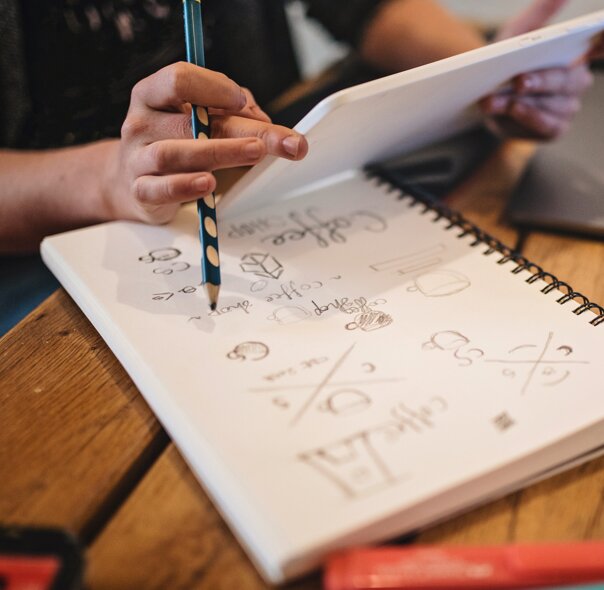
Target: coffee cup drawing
440 283
368 321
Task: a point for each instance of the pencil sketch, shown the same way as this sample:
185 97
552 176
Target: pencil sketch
440 283
172 268
261 265
281 403
347 305
345 402
252 227
243 306
160 255
353 465
328 231
369 321
253 351
320 386
289 314
413 262
373 459
538 363
298 368
503 422
188 290
291 290
258 286
167 295
418 419
451 340
318 394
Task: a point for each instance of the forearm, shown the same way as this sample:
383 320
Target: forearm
408 33
50 191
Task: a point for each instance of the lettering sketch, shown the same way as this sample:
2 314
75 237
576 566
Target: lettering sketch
292 290
254 226
544 364
373 459
538 363
450 340
326 231
347 305
337 396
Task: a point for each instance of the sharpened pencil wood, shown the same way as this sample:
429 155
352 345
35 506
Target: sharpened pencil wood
212 291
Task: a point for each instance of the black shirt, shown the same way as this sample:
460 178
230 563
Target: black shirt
84 56
82 59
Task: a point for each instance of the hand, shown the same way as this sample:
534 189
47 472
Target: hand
157 165
597 51
540 104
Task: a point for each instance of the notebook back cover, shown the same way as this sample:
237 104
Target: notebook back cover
406 111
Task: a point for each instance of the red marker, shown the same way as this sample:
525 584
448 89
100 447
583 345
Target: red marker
448 567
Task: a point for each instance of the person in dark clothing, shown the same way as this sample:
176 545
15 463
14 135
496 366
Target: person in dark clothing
95 100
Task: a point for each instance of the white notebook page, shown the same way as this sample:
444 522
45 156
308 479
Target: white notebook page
366 370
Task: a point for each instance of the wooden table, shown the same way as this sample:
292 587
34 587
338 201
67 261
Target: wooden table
80 448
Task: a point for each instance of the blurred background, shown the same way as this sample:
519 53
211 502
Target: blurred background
316 50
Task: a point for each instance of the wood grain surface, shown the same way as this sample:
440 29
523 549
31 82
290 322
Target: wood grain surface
483 197
74 431
85 452
168 535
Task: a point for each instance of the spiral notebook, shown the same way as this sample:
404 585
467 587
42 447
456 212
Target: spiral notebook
376 363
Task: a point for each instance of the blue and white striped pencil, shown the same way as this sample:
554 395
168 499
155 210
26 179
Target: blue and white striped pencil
206 207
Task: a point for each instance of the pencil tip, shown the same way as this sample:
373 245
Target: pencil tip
213 291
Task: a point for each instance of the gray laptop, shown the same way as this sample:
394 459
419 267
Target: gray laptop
563 187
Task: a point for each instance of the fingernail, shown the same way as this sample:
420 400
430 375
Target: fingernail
242 99
201 184
253 150
291 144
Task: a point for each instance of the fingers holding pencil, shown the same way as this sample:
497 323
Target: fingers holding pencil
182 83
158 162
161 109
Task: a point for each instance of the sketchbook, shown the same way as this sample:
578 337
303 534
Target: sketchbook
376 363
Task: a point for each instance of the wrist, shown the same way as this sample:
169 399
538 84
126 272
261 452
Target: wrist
108 186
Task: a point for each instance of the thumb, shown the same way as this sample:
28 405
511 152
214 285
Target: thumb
534 17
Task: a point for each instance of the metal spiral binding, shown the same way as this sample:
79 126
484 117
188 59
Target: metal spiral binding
456 220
